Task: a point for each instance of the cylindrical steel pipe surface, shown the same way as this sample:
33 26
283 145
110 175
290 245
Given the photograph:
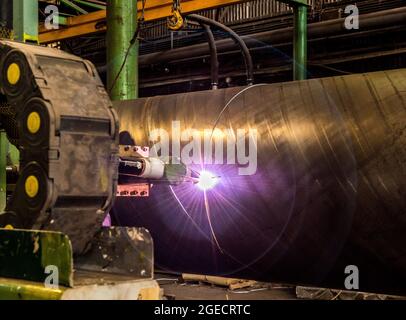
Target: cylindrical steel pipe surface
310 179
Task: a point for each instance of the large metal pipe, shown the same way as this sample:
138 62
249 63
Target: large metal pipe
329 190
122 54
275 37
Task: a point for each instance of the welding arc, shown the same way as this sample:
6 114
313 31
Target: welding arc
206 200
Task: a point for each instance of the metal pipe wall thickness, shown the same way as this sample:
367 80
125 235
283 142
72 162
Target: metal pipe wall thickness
329 191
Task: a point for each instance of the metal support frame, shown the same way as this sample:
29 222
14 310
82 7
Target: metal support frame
91 4
300 38
9 155
25 20
300 43
119 266
3 164
94 22
122 55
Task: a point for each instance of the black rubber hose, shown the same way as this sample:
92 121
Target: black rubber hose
244 49
214 62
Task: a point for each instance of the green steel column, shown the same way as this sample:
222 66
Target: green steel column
300 42
3 164
122 19
13 155
25 20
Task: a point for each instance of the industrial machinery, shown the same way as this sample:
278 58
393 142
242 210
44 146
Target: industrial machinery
69 150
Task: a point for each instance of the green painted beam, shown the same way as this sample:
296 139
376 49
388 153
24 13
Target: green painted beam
25 20
25 25
11 289
91 4
25 255
295 2
13 155
61 20
300 42
74 6
122 56
3 164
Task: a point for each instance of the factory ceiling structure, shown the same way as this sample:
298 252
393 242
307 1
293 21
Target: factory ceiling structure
267 27
261 140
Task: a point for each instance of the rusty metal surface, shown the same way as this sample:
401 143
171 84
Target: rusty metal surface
330 189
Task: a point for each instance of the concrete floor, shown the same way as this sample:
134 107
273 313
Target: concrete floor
176 289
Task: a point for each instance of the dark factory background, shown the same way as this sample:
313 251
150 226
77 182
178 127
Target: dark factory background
332 50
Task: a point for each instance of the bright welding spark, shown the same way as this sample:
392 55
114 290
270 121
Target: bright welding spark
207 180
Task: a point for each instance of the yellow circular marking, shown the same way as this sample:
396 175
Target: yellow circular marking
31 186
13 73
9 227
33 122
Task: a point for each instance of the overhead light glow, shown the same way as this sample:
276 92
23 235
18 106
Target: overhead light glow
207 180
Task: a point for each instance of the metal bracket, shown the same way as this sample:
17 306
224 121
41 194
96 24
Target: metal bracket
134 152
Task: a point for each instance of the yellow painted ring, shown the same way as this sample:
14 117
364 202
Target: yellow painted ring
33 122
9 227
13 73
31 186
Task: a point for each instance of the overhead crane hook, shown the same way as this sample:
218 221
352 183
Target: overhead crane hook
176 21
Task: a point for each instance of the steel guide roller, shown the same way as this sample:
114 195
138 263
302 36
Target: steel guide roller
67 133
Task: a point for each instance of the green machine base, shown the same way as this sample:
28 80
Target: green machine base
39 265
